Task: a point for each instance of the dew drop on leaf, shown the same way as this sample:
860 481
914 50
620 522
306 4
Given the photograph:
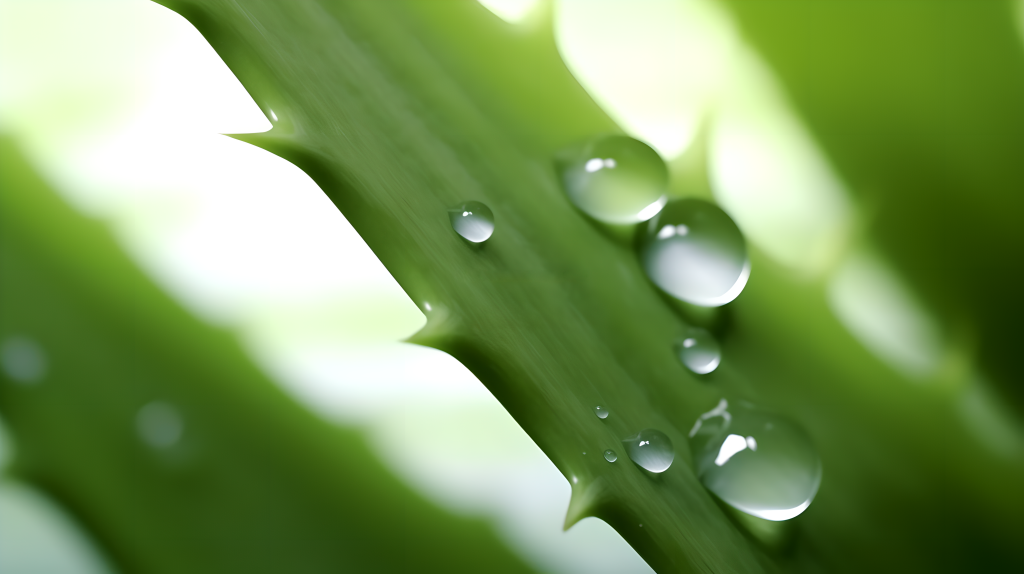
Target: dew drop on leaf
472 220
601 412
616 179
699 351
610 455
757 462
695 252
651 449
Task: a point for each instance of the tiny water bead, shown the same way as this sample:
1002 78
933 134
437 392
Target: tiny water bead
695 252
601 412
610 455
472 220
159 425
651 449
757 462
23 360
616 179
699 351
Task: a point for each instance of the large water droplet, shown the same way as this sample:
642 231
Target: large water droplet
695 252
159 424
699 351
472 220
758 463
601 412
23 360
610 455
616 179
651 449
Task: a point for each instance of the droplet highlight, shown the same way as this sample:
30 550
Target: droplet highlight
159 425
651 449
616 179
23 360
699 351
472 220
601 412
695 252
610 455
757 462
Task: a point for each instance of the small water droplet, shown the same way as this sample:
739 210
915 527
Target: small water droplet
23 360
694 252
610 455
472 220
159 424
273 116
617 179
601 412
756 462
699 351
651 449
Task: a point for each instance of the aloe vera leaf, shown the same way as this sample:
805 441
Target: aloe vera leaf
401 110
255 484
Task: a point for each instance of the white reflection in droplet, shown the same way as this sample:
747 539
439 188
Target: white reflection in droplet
159 424
652 209
871 301
733 444
23 360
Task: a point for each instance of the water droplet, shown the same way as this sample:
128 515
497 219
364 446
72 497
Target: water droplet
472 220
617 179
23 360
651 449
699 351
601 412
694 251
757 462
273 116
159 424
610 455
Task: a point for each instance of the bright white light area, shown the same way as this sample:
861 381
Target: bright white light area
653 66
37 537
120 101
511 11
880 311
770 176
732 444
778 515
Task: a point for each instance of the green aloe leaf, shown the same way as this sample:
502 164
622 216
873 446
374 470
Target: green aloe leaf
168 444
401 110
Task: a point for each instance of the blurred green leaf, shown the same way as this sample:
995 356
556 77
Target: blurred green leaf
167 443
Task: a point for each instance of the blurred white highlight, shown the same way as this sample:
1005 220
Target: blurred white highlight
653 66
876 307
769 175
511 11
